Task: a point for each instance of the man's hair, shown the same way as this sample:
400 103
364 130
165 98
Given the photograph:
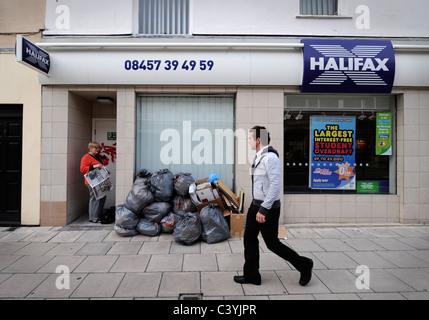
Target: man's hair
261 132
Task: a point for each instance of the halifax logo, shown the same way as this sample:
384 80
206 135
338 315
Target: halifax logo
348 66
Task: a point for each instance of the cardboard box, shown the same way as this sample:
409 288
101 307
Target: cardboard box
205 192
216 201
236 225
230 205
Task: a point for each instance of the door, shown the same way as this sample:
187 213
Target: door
105 134
10 164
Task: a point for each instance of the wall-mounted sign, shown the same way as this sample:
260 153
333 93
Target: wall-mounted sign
383 135
348 66
332 150
31 55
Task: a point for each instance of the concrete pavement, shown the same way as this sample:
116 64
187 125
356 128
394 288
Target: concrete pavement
87 261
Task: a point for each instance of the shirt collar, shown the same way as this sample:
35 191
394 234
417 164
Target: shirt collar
260 152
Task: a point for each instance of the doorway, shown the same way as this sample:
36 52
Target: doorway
104 132
10 164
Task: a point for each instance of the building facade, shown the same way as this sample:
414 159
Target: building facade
177 84
20 116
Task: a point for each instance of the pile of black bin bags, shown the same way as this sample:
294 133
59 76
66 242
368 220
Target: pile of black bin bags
160 202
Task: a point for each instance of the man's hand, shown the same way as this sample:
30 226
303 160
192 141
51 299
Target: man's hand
260 217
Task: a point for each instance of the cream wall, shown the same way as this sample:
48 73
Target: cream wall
20 85
264 106
253 105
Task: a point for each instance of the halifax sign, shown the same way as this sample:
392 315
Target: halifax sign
348 66
31 55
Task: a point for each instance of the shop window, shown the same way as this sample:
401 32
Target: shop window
186 133
373 173
318 7
164 17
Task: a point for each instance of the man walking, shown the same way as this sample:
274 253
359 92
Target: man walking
264 212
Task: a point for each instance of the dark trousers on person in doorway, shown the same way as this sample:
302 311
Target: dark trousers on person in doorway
269 231
95 206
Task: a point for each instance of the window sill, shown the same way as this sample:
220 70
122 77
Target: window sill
309 16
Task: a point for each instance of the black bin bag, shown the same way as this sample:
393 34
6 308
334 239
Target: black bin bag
125 222
162 185
148 228
168 223
125 218
156 211
188 229
140 194
182 183
214 226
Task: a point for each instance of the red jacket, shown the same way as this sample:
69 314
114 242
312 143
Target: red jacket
88 161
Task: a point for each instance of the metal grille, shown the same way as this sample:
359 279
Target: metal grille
163 17
318 7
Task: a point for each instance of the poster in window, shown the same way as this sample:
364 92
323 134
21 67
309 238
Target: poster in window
383 144
333 151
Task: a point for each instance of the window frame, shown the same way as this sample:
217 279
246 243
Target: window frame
307 3
341 109
139 16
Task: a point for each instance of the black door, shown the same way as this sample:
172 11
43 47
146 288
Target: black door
10 164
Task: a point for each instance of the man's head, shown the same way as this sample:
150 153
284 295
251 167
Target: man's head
259 137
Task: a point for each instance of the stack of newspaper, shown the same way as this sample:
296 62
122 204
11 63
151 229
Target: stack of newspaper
99 180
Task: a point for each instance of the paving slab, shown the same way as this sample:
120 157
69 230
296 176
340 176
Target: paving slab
200 262
27 264
175 283
290 280
403 259
131 263
338 281
165 262
54 287
220 283
135 285
98 264
104 265
36 248
20 285
336 260
98 285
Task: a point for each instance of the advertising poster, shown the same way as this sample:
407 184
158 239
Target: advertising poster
332 150
383 144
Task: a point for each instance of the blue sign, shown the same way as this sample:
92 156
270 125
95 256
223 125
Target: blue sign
31 55
332 149
348 66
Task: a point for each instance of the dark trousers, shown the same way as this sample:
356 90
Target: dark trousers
95 206
269 231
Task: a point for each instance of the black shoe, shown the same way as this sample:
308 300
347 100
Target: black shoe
306 273
240 279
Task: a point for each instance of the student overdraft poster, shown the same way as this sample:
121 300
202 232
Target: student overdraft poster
332 144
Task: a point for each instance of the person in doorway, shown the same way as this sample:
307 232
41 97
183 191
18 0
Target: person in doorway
264 212
93 159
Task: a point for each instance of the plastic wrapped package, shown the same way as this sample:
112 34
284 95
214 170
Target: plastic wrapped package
188 229
162 185
148 228
214 226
